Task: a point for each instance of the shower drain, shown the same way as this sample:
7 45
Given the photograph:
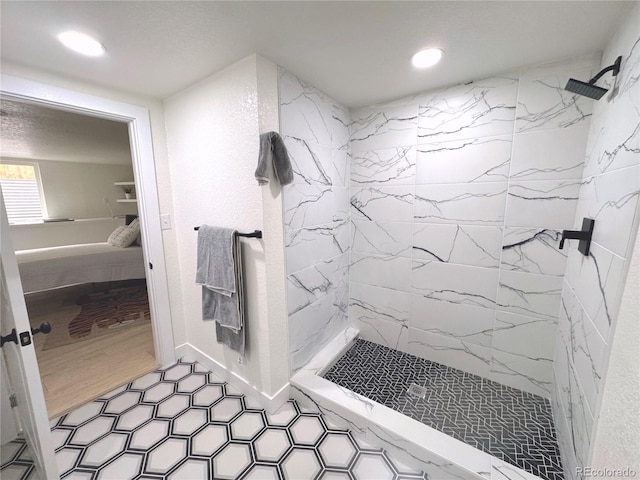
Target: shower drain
417 391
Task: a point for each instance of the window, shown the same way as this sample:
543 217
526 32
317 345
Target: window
22 192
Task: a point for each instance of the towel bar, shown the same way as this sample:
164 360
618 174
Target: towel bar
254 234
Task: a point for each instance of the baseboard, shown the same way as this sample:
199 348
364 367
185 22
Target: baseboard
269 403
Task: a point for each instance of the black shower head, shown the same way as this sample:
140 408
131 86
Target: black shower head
590 89
585 89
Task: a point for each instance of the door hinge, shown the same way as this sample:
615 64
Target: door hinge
13 401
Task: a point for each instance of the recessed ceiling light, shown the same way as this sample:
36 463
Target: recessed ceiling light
81 43
426 58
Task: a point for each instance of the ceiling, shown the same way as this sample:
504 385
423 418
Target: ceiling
41 133
357 52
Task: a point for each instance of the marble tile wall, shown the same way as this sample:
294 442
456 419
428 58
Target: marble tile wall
316 215
592 287
457 200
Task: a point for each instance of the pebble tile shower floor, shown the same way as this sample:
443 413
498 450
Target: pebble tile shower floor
186 423
510 424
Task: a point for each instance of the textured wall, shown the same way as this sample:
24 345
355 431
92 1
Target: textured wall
316 216
617 436
457 197
212 139
593 285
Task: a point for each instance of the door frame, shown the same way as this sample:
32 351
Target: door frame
140 139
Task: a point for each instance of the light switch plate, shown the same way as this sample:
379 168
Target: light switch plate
165 221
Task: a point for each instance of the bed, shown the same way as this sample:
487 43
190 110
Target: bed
55 267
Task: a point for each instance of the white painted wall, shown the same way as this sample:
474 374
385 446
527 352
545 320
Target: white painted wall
617 436
165 197
41 235
212 140
76 190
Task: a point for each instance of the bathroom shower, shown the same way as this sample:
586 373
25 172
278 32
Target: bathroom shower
591 90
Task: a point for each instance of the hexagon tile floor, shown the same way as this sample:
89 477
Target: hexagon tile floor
16 461
186 423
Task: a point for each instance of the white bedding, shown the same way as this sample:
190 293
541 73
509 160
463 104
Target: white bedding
54 267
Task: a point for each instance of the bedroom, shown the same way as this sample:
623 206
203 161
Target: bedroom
68 184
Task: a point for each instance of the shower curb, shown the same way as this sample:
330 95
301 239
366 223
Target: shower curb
418 445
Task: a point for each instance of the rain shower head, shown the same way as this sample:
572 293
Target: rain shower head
585 89
591 90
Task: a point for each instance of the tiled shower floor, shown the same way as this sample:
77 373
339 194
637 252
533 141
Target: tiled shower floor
186 423
510 424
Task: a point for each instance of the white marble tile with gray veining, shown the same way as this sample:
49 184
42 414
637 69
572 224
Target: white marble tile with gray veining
462 322
597 281
389 334
307 246
533 250
464 161
530 337
586 347
307 286
308 205
580 420
561 404
543 104
612 200
341 162
307 113
465 356
461 244
544 204
311 163
505 471
549 154
315 164
483 108
614 140
379 127
529 294
459 284
311 327
388 271
396 432
381 238
389 166
470 204
384 203
521 372
378 303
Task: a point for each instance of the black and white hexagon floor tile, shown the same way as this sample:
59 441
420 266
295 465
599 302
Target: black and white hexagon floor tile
186 423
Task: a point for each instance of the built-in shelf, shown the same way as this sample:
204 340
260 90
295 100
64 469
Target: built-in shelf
131 186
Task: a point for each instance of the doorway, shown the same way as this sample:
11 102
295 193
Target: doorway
138 126
68 187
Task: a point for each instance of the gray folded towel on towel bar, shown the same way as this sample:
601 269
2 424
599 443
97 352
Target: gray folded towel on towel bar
273 153
219 271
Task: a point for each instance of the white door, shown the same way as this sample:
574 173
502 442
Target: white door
20 359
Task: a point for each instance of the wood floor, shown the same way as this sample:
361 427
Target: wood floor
76 374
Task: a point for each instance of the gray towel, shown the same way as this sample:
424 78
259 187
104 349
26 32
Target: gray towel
219 271
273 152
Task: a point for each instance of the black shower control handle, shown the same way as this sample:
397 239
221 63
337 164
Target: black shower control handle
583 235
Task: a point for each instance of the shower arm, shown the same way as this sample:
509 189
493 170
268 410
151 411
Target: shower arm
615 67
